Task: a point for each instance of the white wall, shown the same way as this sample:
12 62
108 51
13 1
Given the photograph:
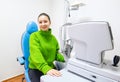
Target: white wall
58 16
14 15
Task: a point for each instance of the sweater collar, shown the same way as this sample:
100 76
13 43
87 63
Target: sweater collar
46 33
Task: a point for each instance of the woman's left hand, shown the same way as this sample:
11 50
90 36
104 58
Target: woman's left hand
54 72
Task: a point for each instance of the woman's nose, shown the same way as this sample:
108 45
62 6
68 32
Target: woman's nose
43 23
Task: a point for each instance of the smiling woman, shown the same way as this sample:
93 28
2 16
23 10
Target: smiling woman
44 50
44 21
14 17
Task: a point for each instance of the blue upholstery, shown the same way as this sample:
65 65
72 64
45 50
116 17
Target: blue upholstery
30 28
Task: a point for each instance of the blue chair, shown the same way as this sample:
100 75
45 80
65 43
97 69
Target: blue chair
30 28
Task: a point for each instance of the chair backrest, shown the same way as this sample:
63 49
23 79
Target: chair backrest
30 28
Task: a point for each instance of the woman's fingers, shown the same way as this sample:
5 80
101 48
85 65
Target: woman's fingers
54 72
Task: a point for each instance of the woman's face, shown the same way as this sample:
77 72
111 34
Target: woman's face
44 23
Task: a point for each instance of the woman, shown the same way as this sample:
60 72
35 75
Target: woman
43 51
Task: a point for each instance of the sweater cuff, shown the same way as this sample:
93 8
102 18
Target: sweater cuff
45 69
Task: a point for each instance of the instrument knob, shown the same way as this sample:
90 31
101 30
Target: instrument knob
116 60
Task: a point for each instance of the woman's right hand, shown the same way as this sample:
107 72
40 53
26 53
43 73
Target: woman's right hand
54 72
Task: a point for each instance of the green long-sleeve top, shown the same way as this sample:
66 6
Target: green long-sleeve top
43 51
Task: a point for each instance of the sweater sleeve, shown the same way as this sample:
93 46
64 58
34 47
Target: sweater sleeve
36 57
59 56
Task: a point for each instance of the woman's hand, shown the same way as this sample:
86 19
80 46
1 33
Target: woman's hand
54 72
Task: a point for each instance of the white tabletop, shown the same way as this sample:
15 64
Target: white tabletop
66 77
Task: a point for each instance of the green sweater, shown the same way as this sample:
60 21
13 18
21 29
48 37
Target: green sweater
43 51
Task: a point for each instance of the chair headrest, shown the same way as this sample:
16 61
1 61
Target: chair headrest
31 27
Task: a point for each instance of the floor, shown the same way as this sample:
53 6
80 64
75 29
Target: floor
15 79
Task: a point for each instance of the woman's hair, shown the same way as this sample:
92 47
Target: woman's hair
44 15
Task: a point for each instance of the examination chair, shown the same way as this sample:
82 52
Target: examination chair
30 28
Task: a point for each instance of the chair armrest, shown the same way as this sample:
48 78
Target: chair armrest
21 60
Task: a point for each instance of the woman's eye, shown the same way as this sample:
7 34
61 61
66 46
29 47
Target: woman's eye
45 21
40 22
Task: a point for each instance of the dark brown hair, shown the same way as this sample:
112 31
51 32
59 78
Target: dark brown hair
44 15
